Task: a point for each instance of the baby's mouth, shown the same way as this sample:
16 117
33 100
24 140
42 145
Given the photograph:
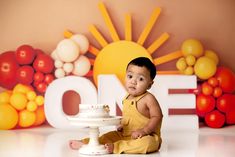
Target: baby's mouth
132 88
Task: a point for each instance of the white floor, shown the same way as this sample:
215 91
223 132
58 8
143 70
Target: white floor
46 141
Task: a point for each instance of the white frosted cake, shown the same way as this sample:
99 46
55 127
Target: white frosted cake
93 111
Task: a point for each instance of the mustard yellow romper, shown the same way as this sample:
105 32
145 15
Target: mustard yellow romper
132 120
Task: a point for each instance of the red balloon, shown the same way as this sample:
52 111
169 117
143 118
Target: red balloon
226 79
38 77
230 117
38 51
8 68
215 119
25 74
41 87
43 63
49 78
226 103
204 104
25 54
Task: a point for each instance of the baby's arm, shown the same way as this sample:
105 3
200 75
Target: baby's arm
155 115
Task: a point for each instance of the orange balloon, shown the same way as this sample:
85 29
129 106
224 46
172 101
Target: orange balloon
213 81
8 117
207 89
217 92
40 116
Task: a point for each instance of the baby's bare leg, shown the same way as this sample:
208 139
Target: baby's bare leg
76 144
109 147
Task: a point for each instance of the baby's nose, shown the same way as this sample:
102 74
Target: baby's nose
133 81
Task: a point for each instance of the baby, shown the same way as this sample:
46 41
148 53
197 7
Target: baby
139 132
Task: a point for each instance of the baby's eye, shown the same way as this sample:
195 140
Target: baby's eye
141 79
129 76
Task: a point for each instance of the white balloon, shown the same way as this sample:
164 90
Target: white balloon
68 67
67 50
59 73
58 63
82 42
81 66
54 55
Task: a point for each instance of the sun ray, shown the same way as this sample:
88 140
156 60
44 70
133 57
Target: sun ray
93 50
168 57
149 26
108 22
128 30
170 72
67 34
157 43
98 36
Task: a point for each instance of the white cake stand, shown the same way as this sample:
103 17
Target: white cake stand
93 147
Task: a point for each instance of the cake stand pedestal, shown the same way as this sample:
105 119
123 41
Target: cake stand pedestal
94 147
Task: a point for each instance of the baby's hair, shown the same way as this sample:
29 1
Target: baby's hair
144 62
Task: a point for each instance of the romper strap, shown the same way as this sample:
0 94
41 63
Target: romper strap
141 96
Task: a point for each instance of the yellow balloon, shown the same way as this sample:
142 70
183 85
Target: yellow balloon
20 88
192 47
204 68
18 101
189 70
8 117
114 57
31 95
212 55
181 64
26 118
39 100
5 97
190 60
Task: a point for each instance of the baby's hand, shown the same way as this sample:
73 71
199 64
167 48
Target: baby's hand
138 134
120 127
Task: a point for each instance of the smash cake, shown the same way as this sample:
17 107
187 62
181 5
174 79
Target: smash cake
93 111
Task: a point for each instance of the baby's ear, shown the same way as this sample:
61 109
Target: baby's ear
150 85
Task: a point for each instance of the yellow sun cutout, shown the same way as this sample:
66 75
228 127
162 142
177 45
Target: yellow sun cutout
113 57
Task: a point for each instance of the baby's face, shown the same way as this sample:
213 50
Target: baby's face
138 80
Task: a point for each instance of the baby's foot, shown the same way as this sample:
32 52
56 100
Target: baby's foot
109 147
75 144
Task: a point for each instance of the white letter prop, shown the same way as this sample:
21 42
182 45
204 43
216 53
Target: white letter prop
54 94
176 101
111 92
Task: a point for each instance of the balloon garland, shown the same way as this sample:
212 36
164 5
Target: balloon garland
215 100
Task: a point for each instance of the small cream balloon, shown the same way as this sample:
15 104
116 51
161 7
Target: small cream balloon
59 73
67 50
81 66
68 67
82 42
54 55
58 63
